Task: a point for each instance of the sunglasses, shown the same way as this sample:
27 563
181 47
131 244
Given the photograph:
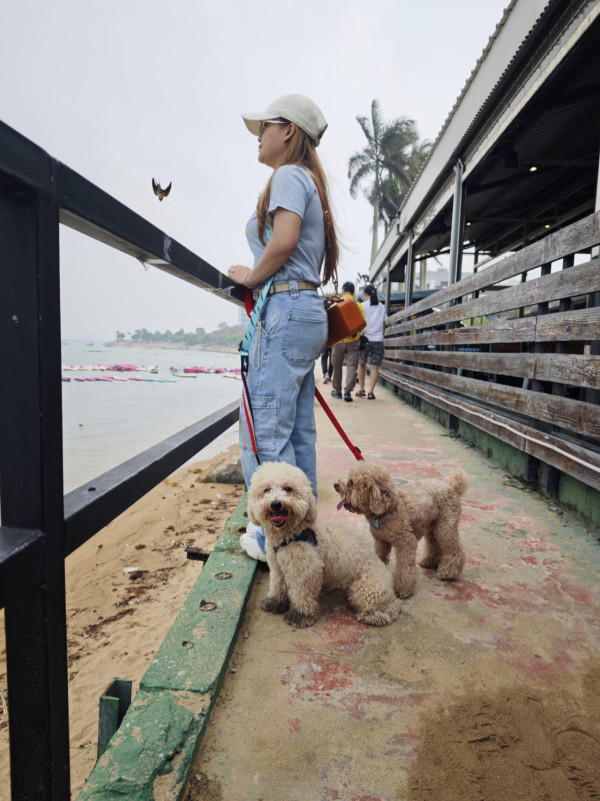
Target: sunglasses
262 125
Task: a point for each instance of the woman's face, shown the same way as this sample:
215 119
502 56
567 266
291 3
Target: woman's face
272 142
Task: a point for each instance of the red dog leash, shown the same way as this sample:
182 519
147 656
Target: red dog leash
249 303
354 448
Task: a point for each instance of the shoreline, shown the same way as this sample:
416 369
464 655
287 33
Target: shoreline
124 588
173 346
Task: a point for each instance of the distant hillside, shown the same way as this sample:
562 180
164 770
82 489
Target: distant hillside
226 336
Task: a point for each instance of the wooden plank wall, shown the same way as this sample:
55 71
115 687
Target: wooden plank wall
513 350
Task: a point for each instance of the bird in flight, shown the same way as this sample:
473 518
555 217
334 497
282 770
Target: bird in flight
159 191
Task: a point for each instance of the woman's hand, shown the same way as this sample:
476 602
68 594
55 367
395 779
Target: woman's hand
239 274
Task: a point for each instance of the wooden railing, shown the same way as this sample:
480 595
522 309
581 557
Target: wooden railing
521 361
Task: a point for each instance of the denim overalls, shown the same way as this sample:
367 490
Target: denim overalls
281 382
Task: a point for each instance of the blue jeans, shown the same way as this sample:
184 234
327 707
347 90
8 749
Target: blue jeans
281 382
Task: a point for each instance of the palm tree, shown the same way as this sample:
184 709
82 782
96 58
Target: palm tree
392 159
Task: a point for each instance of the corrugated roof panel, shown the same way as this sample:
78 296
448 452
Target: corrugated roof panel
516 24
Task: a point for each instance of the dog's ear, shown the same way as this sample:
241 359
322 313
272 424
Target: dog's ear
311 514
379 498
250 510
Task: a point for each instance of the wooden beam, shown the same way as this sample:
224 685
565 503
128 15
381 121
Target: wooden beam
574 415
575 460
578 237
580 280
583 371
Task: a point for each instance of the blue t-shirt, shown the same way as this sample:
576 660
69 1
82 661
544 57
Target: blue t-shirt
293 188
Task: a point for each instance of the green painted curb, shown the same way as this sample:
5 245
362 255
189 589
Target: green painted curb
151 754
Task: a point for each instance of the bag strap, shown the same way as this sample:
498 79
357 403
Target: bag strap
244 346
254 312
327 224
244 349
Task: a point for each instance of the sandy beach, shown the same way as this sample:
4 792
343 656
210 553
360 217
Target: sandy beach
124 589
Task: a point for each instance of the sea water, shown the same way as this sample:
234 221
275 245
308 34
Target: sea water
107 422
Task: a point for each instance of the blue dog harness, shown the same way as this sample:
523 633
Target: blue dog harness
308 535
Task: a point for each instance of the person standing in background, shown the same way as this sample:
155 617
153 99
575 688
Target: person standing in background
372 353
326 365
349 349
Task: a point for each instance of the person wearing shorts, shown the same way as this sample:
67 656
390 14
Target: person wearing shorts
372 352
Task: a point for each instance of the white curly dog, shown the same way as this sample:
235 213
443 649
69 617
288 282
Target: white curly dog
305 556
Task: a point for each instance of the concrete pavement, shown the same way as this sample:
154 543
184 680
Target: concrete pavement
485 688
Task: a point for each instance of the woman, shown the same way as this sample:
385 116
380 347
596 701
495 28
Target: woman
290 234
372 354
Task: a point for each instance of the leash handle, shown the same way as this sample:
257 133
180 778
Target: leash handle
354 448
244 346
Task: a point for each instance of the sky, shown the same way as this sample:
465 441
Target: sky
124 91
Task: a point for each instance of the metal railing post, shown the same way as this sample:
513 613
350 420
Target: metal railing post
388 288
456 231
31 492
410 272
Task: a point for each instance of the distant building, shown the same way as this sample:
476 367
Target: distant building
437 278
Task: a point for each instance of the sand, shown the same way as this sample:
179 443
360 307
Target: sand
117 617
518 742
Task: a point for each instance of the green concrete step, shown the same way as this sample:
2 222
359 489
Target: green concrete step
152 752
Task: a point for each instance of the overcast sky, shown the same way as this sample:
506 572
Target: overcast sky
123 91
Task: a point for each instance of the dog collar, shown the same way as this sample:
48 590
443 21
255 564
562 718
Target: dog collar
375 523
308 535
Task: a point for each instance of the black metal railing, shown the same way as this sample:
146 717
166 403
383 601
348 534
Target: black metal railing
40 527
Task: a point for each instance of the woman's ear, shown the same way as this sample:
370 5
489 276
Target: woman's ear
289 132
250 507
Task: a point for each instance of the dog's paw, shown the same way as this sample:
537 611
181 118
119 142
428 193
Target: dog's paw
274 605
404 592
298 620
429 563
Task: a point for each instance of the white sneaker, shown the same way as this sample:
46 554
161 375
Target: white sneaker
253 542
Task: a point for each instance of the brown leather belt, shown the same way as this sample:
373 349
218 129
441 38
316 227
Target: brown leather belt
286 287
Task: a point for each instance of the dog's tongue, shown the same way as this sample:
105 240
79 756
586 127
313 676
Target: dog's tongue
341 503
278 519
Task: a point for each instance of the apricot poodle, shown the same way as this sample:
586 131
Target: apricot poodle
400 517
305 556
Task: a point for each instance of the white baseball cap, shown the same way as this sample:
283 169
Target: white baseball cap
297 109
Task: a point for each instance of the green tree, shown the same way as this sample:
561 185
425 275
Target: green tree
387 166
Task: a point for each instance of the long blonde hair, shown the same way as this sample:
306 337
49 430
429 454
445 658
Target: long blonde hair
301 150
